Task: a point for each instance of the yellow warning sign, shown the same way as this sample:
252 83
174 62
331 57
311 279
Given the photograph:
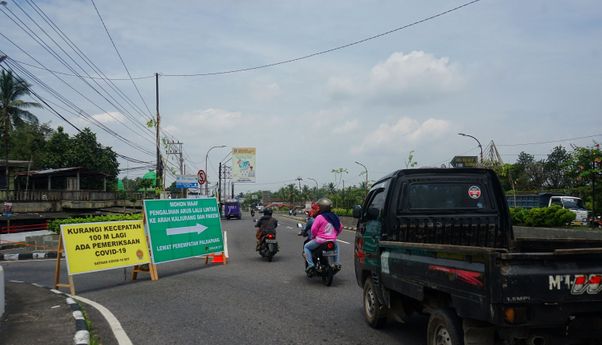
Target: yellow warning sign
91 247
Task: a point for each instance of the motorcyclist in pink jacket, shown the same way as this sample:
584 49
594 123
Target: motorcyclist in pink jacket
326 227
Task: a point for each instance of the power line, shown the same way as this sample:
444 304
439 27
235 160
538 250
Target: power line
82 55
21 24
304 57
552 141
41 99
120 58
72 105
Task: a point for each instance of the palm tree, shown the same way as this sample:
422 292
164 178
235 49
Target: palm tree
13 108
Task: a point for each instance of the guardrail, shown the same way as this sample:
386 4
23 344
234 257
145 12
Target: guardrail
82 195
5 229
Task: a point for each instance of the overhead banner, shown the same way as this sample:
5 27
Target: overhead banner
243 164
183 228
91 247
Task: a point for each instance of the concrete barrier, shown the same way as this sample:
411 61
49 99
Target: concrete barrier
1 291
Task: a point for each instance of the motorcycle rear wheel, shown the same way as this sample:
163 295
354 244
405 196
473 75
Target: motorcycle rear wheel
327 277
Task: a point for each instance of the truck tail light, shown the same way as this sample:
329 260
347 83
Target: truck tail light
515 315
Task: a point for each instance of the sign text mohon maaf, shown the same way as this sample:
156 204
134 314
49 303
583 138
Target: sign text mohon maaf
183 228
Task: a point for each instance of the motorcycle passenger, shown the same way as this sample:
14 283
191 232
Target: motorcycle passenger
326 227
311 216
266 224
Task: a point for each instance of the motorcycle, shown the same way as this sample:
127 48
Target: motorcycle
323 258
268 246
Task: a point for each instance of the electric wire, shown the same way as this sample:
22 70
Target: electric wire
46 103
21 24
552 141
49 49
308 56
120 57
73 106
84 57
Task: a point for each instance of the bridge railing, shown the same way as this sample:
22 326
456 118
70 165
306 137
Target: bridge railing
19 195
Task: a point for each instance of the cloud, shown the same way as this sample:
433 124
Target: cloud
213 120
265 91
414 77
404 131
347 127
109 117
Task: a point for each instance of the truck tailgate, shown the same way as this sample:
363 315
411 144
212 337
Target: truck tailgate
562 276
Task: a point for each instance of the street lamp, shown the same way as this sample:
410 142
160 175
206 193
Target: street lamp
366 171
478 142
206 171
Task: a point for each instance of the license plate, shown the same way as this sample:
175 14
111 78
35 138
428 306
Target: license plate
271 241
329 253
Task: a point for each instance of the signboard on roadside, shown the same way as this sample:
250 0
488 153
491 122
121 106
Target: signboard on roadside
91 247
243 164
187 181
183 228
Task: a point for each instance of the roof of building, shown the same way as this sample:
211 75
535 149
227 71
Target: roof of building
62 172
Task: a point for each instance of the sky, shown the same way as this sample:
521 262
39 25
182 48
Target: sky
510 71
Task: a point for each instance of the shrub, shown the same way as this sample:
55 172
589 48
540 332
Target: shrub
345 212
55 225
542 217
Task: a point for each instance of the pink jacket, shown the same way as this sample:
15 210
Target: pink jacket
322 231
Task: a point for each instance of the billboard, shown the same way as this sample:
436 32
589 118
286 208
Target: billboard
243 164
91 247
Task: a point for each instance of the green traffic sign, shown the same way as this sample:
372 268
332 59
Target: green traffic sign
183 228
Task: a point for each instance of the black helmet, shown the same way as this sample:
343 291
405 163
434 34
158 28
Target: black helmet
325 204
267 211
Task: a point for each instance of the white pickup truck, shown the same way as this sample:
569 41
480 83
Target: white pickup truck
571 203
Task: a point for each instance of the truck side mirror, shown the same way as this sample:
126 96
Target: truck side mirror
373 213
357 211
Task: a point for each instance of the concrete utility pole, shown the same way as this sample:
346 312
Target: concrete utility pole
478 142
159 172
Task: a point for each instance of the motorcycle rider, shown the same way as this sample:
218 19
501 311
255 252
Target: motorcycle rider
265 224
326 227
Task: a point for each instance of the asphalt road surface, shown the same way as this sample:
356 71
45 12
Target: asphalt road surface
248 301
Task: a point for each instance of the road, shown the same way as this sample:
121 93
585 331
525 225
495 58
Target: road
248 301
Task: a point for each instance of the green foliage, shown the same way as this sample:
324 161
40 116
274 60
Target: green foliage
12 106
55 225
542 217
344 212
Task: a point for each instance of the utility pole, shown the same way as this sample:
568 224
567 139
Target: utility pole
219 185
6 122
159 172
175 148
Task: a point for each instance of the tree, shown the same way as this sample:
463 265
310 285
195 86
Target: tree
557 168
12 107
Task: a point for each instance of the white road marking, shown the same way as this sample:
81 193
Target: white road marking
343 241
118 331
16 281
289 227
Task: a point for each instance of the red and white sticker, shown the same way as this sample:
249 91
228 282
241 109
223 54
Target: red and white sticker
474 192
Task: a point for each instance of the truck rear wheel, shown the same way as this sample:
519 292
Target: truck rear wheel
444 328
375 312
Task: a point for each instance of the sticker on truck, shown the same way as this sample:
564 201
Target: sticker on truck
474 192
577 284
